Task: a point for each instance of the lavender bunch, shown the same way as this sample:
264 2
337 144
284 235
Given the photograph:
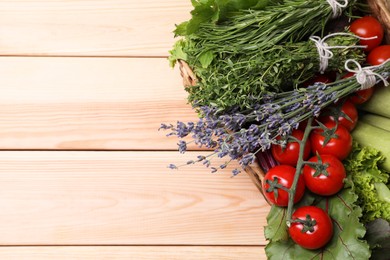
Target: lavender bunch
240 134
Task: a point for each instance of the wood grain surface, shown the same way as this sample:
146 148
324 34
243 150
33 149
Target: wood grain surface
92 198
84 87
90 28
133 252
89 103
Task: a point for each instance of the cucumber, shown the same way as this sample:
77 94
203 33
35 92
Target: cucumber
376 120
379 103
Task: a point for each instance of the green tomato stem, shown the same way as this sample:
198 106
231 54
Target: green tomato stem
298 170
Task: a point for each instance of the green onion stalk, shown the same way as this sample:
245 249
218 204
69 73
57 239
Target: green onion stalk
254 30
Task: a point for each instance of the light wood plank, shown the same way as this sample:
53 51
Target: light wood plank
89 103
95 198
93 27
134 252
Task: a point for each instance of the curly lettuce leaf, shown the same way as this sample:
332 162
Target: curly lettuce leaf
177 53
370 182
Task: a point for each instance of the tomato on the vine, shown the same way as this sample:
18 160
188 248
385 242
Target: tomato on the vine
379 55
290 153
282 175
333 140
324 177
312 228
345 113
368 27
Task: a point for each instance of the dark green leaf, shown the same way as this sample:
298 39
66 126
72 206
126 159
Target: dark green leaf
378 237
277 228
347 240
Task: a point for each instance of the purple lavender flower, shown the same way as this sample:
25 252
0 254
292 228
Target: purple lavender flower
182 146
247 159
275 120
172 166
236 172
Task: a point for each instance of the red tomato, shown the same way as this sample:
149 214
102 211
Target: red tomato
302 125
347 110
314 235
379 55
289 155
328 182
317 78
339 144
360 96
367 27
284 175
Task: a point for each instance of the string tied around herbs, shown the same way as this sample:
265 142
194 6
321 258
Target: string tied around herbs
324 50
365 76
337 7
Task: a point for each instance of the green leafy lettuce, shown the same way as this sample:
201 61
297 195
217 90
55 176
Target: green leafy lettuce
371 183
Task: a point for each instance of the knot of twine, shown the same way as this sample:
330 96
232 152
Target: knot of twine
337 7
324 49
365 76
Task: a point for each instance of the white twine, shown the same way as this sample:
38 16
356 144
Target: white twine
365 76
337 7
324 49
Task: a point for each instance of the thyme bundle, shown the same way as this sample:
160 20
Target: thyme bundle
256 51
232 78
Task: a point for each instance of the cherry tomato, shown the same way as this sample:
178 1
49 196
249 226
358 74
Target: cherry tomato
283 175
367 27
360 96
289 154
318 78
379 55
346 114
339 144
317 233
302 125
324 179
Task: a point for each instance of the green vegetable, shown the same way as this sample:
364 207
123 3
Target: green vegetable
382 191
371 136
376 120
257 30
379 102
378 237
228 80
213 11
347 241
370 182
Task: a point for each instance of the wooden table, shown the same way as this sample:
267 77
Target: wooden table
84 87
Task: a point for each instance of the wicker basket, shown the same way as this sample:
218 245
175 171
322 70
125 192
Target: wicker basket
380 9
